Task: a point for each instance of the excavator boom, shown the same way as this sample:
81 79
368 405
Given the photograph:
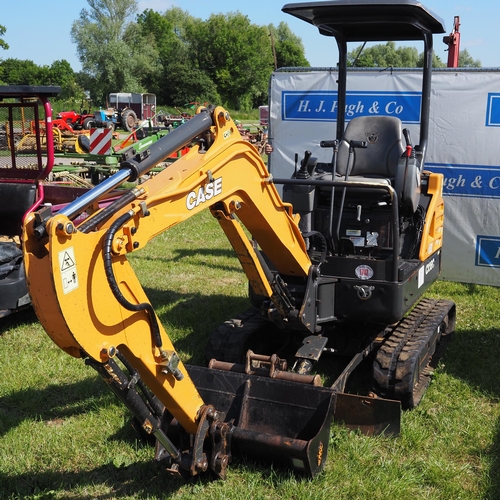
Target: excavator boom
92 305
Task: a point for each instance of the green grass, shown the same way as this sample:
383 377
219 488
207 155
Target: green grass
63 435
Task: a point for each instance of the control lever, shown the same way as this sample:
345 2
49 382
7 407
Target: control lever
407 136
410 152
335 145
303 172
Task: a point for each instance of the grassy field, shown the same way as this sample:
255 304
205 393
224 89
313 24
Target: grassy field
63 434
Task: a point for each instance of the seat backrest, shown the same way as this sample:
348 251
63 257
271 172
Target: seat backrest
383 135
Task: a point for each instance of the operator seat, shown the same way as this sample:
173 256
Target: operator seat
380 162
384 146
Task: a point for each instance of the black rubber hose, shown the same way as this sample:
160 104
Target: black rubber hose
108 268
107 212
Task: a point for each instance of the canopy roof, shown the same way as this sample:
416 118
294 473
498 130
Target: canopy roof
368 20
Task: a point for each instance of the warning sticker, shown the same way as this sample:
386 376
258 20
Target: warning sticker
67 266
420 277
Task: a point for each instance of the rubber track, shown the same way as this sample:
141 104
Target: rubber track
404 362
229 341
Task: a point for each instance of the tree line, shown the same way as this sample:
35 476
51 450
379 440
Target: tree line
388 55
225 59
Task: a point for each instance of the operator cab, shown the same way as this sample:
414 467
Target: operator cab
372 222
371 202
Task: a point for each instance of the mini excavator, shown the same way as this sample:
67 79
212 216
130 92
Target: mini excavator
308 278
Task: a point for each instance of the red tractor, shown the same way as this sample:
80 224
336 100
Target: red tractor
78 121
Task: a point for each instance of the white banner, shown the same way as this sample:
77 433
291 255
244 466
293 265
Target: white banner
464 144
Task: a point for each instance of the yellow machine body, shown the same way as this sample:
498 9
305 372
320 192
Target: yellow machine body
66 276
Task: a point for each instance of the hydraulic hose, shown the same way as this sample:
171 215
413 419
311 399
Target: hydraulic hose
107 212
115 289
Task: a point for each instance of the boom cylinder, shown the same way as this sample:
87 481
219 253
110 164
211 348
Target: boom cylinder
132 169
169 144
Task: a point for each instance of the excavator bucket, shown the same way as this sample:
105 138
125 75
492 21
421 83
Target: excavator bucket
281 421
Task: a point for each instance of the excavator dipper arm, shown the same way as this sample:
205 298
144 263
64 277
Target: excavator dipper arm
85 292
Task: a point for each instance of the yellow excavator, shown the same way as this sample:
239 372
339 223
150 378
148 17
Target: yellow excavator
308 278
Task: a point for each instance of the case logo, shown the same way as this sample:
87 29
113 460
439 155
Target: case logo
204 193
429 266
372 137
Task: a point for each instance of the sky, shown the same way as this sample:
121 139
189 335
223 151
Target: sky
41 32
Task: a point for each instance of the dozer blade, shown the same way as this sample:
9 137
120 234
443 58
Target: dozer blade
371 416
276 420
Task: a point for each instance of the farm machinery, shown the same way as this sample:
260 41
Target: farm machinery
340 267
29 136
68 140
26 160
29 141
77 121
126 110
172 121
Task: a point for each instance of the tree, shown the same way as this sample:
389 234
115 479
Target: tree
165 33
224 60
388 55
3 44
111 48
436 61
24 72
288 47
465 60
187 84
61 73
383 56
236 55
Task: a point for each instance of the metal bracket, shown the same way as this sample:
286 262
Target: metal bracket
170 364
312 347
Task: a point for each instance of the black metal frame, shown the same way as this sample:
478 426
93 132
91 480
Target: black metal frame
371 21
